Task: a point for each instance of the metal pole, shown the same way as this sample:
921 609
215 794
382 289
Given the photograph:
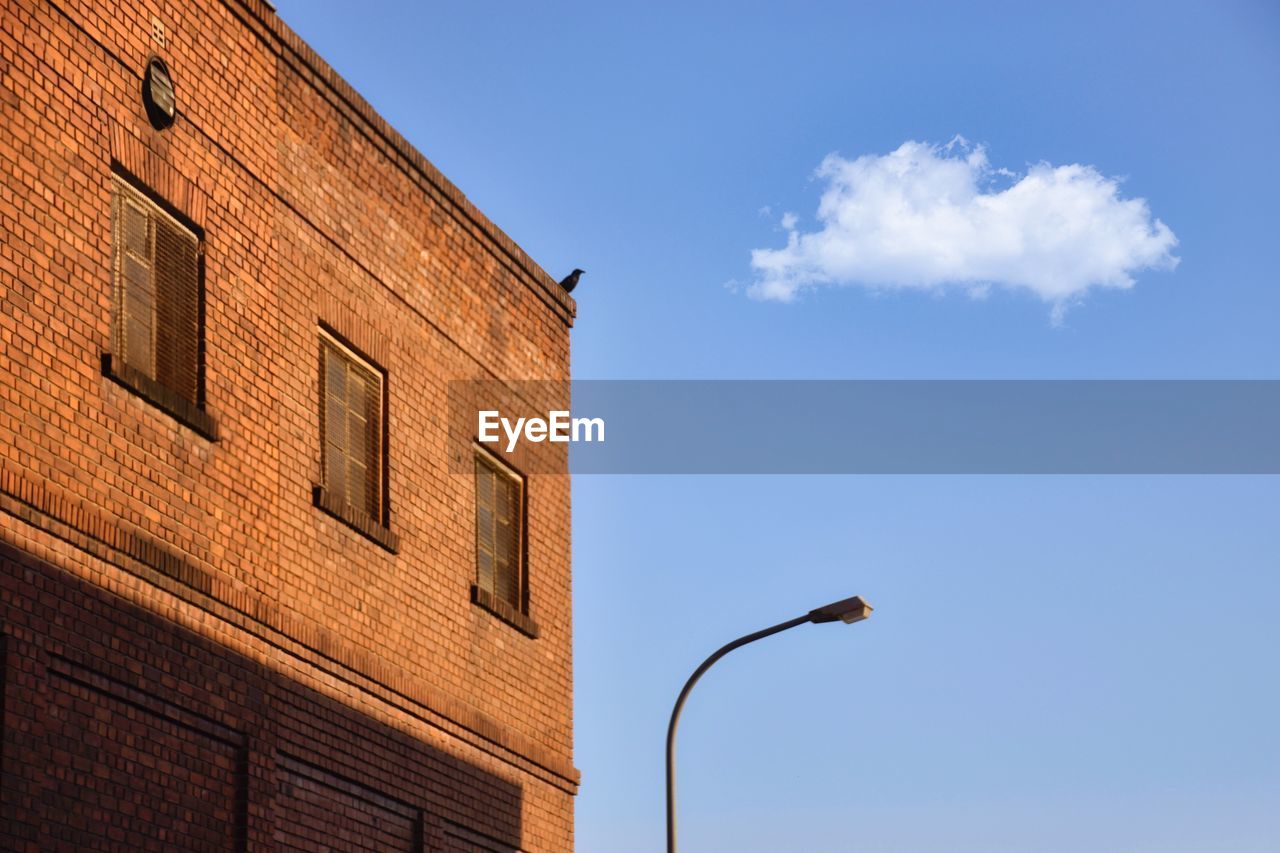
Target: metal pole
684 694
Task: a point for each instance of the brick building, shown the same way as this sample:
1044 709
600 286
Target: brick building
255 594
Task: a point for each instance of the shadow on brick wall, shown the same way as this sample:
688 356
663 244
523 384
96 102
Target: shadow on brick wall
123 731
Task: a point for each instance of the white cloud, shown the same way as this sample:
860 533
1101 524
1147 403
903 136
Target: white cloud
928 216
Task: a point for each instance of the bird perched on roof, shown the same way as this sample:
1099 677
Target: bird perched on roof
571 280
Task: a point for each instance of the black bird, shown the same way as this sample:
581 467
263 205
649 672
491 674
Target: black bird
571 280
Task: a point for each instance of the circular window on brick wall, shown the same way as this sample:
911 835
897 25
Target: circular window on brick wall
157 94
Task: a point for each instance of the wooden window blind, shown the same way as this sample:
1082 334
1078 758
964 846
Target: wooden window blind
156 272
351 429
499 532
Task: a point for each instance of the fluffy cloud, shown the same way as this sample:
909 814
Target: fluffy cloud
928 216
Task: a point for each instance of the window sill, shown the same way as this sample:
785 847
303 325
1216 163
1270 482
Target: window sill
522 622
183 411
359 521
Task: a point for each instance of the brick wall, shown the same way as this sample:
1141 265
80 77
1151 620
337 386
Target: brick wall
195 655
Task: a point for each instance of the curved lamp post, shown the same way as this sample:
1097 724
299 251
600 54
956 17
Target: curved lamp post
848 611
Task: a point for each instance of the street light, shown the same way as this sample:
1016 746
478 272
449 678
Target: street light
848 611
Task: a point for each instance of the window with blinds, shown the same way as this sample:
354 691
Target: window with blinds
351 429
156 272
499 532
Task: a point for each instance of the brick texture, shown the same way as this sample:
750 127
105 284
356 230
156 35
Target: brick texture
193 654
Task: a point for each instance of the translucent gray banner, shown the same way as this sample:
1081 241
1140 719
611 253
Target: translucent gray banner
879 427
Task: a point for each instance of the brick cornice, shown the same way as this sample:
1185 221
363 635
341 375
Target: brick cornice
401 151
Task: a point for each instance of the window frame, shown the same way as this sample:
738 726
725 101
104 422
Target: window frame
517 615
142 379
376 525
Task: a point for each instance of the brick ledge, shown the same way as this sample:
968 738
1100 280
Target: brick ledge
522 622
183 411
361 522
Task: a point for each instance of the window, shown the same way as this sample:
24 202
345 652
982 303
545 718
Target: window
500 569
499 517
351 432
353 465
156 346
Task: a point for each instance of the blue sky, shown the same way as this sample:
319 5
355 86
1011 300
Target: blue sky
1055 664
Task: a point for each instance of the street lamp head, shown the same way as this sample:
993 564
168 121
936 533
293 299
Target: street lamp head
848 611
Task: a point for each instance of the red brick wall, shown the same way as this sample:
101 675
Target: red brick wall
314 212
